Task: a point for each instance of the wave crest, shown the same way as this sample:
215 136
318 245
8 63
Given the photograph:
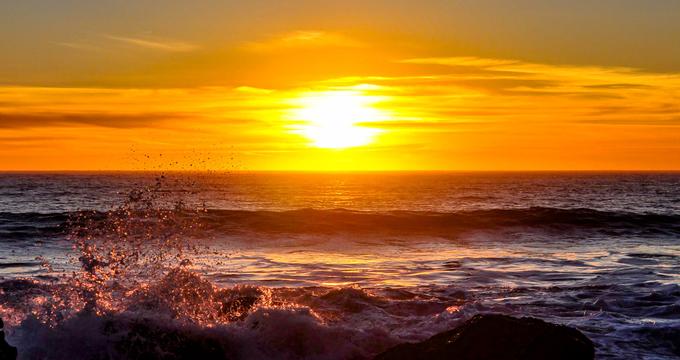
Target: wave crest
313 221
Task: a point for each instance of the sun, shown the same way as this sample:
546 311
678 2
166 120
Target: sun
333 119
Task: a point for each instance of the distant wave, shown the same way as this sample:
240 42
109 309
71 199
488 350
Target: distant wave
313 221
20 226
340 220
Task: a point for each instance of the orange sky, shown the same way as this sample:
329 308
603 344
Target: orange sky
312 89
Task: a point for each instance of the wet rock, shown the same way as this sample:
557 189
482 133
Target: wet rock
499 337
145 339
7 352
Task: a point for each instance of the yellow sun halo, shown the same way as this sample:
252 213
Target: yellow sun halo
331 119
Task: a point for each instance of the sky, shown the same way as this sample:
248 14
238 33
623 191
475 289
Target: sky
340 85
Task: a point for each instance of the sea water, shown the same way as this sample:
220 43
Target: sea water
335 266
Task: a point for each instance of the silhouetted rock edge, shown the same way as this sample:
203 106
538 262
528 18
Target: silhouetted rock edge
499 337
7 351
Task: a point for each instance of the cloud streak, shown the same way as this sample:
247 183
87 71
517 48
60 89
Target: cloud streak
118 121
154 43
107 43
304 39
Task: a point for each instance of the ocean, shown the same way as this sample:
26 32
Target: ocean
335 265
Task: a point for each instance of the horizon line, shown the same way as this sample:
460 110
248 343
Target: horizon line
26 171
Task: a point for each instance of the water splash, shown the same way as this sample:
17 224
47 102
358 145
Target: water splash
124 250
137 258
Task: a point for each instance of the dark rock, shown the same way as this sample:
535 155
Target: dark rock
499 337
7 351
149 340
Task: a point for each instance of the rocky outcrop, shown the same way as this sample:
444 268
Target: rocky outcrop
499 337
7 351
146 339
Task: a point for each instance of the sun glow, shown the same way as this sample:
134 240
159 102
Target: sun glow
333 119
